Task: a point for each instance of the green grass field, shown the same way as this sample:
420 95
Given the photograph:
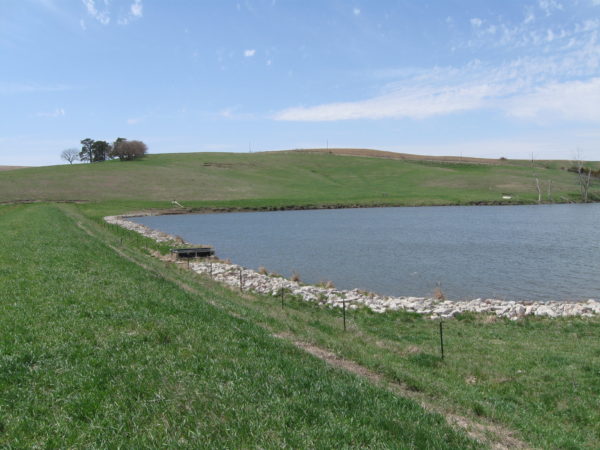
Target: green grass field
98 352
288 179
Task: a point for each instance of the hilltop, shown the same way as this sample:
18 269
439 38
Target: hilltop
319 177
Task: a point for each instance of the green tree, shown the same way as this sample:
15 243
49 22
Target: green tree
100 151
86 153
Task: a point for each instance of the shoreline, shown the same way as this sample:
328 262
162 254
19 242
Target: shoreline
241 278
316 207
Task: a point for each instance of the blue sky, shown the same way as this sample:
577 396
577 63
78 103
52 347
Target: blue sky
472 77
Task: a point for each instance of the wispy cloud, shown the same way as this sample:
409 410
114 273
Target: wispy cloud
58 112
101 16
135 12
549 6
575 100
561 82
249 53
509 89
30 88
476 22
137 8
356 11
233 112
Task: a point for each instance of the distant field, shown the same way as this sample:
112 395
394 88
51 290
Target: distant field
293 178
365 152
2 168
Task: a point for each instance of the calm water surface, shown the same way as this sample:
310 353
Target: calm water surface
549 252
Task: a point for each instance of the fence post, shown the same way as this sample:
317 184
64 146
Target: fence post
282 297
241 281
442 337
344 308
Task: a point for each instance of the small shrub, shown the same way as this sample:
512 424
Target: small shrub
467 316
295 277
328 284
438 294
263 271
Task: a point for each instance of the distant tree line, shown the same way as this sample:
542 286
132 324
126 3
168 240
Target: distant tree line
97 151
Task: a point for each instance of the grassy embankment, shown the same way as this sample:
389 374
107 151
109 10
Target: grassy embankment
96 351
288 179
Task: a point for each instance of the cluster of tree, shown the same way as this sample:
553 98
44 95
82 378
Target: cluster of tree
96 151
585 170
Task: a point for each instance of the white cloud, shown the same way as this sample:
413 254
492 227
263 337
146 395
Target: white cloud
101 16
82 24
59 112
476 22
233 112
574 100
548 6
249 53
137 9
530 17
134 120
561 85
407 102
356 11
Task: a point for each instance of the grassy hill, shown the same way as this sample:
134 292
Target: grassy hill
288 178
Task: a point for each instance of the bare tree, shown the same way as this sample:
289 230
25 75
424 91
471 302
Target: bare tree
70 155
127 150
537 180
584 175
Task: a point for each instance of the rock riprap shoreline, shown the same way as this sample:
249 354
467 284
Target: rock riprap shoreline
231 274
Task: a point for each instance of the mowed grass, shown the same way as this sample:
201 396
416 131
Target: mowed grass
538 377
96 351
288 179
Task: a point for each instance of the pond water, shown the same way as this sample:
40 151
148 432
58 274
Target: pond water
547 252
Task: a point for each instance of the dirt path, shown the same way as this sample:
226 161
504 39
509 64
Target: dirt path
493 435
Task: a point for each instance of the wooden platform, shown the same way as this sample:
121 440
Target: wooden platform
196 252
